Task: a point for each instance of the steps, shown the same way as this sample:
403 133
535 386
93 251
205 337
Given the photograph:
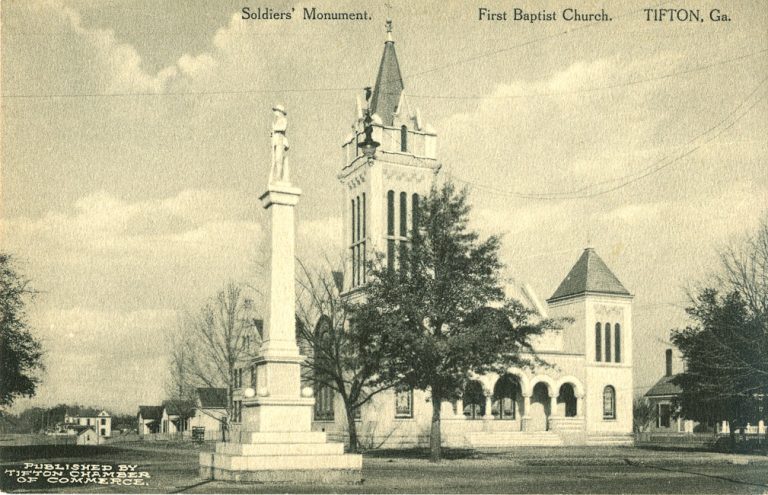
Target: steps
610 439
494 440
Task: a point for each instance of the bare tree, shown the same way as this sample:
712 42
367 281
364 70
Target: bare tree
214 342
338 357
745 269
180 385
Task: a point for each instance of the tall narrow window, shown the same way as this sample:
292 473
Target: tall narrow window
359 237
364 221
391 230
403 138
324 403
403 232
609 402
607 342
598 343
352 244
404 402
415 211
617 343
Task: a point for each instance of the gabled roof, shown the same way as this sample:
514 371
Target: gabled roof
212 398
179 408
84 412
151 412
664 388
389 85
590 274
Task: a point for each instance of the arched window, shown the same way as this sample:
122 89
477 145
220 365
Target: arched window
474 400
505 394
617 343
404 138
598 343
607 342
566 400
609 402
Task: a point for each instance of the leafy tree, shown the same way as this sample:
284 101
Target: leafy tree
20 353
442 314
725 353
726 346
340 356
643 414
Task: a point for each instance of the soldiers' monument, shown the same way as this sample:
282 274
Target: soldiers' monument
275 442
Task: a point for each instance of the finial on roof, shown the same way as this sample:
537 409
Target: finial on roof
389 30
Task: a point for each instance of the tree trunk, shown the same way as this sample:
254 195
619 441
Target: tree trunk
352 428
434 434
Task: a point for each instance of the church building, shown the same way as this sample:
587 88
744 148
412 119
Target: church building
585 397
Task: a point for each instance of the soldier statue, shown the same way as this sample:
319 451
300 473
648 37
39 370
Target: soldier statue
279 171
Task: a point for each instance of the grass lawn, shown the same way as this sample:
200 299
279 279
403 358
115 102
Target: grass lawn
173 468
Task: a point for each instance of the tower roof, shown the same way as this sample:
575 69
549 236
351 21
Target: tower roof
590 274
389 83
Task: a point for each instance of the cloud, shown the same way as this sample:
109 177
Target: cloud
177 249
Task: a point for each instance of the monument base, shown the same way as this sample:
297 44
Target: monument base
298 457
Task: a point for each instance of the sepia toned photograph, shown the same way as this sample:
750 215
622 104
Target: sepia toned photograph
383 246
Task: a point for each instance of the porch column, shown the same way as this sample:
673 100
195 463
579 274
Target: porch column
526 417
488 407
553 406
579 406
460 409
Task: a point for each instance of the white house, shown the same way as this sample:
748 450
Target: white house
210 409
100 420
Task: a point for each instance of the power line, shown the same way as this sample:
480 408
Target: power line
593 89
311 90
656 167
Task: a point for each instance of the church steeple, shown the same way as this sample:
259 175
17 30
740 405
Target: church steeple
389 83
389 162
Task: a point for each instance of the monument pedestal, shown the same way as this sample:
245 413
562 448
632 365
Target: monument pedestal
275 442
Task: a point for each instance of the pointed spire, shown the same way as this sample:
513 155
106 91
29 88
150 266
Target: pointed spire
389 82
590 274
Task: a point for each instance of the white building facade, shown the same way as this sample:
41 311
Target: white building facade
584 397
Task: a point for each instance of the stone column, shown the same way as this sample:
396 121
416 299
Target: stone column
526 418
488 406
553 406
278 404
460 409
276 442
580 406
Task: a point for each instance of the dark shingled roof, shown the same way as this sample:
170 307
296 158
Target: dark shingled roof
151 412
83 412
664 387
589 274
179 408
212 398
389 85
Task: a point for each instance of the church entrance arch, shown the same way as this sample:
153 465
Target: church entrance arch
474 400
566 401
507 394
539 408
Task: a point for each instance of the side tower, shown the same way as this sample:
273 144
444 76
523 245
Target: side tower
382 187
602 330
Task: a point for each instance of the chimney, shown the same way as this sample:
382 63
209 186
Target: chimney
669 362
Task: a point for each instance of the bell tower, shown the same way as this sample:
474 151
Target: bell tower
389 161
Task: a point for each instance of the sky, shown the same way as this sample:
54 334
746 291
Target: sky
135 144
